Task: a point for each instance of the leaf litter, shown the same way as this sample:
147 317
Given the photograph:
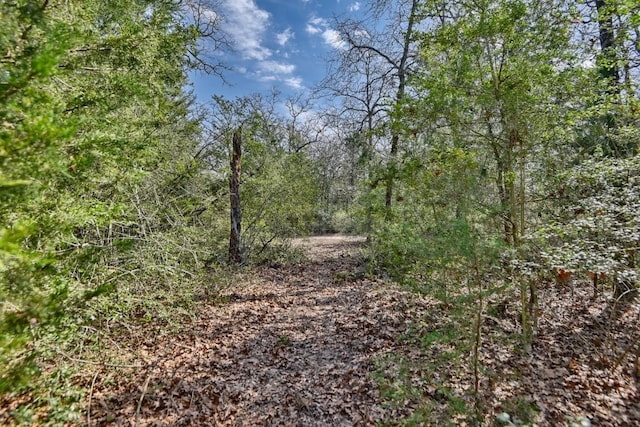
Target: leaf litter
318 343
293 346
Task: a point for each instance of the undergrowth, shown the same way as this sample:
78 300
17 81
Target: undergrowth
158 287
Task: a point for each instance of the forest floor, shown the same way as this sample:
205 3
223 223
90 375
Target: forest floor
292 345
321 343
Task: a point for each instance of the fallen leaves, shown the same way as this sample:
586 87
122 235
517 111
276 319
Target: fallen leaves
294 346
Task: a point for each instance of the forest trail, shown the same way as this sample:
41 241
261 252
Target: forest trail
294 345
306 344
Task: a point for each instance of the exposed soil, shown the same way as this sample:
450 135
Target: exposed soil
321 248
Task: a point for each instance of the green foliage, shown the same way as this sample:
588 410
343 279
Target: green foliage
394 380
92 112
404 391
114 202
519 156
518 411
437 233
280 199
32 132
593 226
279 191
54 400
441 244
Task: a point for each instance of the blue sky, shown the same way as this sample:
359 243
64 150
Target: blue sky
280 44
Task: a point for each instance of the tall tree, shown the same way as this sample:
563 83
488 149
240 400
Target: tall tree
90 99
486 74
235 253
392 46
607 30
608 57
279 181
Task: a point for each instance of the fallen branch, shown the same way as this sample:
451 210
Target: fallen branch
93 383
144 391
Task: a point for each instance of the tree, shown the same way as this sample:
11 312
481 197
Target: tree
594 231
486 86
235 255
90 102
391 54
279 179
609 43
488 108
608 62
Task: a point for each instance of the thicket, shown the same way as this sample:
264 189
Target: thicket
517 157
483 148
95 126
113 189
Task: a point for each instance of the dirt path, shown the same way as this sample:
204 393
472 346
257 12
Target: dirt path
312 344
293 346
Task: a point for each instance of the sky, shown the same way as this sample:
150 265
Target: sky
281 44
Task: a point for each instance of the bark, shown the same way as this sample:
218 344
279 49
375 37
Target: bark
400 94
506 190
608 67
235 252
506 199
399 64
514 141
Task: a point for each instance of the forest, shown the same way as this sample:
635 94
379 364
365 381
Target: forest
444 230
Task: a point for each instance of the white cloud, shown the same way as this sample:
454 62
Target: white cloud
329 35
246 23
274 67
333 39
274 71
354 7
316 25
362 34
284 37
267 78
312 30
209 14
318 21
196 11
294 82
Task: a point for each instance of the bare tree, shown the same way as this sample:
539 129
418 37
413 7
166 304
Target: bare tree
385 56
205 18
235 253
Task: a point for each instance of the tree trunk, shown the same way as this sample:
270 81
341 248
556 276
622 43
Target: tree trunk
400 94
608 65
505 204
391 172
235 253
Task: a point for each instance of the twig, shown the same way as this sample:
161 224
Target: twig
629 348
173 402
610 322
62 82
99 332
144 391
93 383
90 362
